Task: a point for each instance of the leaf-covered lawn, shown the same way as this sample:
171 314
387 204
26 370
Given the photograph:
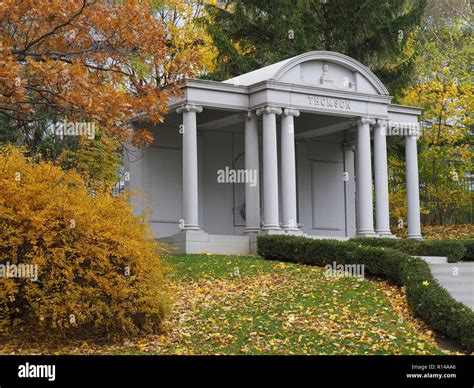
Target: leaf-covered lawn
246 305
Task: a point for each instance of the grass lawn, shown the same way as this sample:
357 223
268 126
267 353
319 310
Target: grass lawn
246 305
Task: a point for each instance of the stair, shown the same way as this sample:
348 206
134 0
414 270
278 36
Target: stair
434 259
456 278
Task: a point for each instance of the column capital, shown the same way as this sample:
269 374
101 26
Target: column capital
348 147
249 115
380 127
291 112
189 108
268 110
365 121
382 122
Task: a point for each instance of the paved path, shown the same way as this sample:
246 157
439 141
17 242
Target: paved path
457 278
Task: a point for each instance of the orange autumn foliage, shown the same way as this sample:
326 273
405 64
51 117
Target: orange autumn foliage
105 62
98 266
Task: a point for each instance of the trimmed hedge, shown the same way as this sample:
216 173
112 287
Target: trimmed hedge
453 250
431 302
469 245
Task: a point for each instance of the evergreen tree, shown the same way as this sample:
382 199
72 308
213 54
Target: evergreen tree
252 34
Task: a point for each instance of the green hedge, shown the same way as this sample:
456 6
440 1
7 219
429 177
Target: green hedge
431 302
453 250
469 245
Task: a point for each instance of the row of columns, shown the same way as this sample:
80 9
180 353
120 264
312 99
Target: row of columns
364 182
271 219
364 199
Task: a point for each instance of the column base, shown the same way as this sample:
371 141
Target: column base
266 232
384 234
293 231
190 227
200 242
189 241
271 227
252 230
366 233
190 231
415 236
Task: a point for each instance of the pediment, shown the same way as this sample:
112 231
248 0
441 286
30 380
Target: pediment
325 69
322 69
327 74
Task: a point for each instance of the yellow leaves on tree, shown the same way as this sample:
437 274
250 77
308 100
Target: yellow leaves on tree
185 28
96 160
97 265
443 88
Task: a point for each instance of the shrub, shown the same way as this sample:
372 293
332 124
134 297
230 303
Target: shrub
301 249
283 250
434 305
381 261
98 270
425 296
469 245
453 250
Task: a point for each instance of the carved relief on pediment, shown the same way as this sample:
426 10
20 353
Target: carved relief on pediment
328 75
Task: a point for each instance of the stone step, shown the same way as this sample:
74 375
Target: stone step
467 296
466 287
454 280
462 268
460 287
434 259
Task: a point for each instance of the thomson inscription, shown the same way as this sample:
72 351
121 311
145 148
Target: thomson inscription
331 103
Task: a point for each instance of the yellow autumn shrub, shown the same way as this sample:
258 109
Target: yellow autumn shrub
97 266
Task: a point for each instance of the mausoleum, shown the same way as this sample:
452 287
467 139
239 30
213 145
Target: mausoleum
297 147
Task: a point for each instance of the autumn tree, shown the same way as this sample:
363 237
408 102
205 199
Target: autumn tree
93 61
102 63
443 88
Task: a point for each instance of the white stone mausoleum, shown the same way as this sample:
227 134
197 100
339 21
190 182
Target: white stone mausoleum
283 149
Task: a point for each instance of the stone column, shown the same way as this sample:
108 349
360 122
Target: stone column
382 215
288 171
349 189
413 193
190 167
270 168
252 189
365 222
